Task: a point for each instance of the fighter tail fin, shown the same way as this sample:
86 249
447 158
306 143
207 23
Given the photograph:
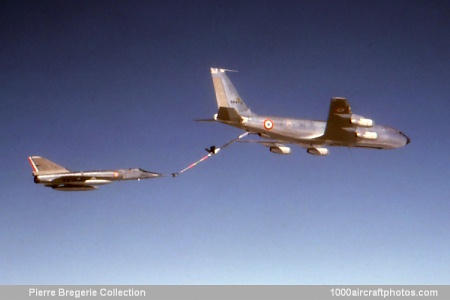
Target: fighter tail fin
226 93
42 165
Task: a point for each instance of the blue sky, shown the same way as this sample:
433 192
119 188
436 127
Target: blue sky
117 84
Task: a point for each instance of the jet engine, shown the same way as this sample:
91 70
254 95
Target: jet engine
368 135
361 121
280 150
318 151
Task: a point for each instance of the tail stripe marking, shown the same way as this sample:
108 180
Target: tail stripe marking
33 166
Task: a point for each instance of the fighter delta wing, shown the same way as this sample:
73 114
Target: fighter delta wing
343 128
59 178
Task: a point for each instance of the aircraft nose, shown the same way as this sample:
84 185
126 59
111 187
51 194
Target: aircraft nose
147 174
408 140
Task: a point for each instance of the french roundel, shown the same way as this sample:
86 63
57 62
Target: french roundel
268 124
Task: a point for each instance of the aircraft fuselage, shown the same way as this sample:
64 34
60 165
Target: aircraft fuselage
49 174
310 133
342 128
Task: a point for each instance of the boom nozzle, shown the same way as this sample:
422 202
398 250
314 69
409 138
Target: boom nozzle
212 150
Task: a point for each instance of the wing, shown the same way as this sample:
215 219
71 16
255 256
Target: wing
76 180
73 187
76 183
339 124
267 143
274 146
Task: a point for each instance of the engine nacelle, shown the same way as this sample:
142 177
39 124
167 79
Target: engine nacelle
318 151
280 150
361 121
368 135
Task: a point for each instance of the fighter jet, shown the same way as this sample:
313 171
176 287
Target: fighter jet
59 178
343 128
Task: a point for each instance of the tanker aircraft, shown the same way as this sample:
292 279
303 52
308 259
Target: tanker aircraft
59 178
343 128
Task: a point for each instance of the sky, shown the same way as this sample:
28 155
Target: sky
101 85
